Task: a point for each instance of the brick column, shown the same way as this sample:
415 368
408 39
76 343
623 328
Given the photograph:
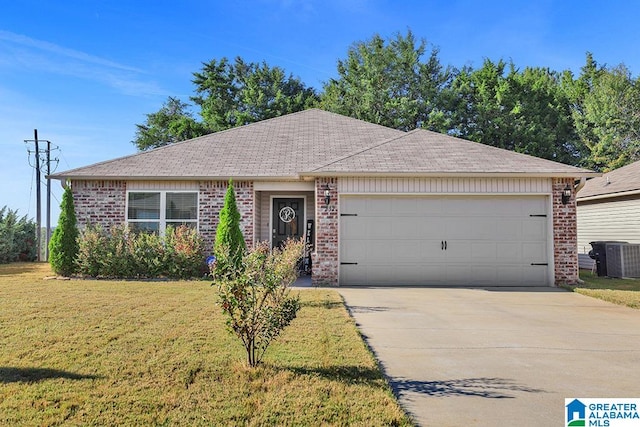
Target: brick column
565 234
325 258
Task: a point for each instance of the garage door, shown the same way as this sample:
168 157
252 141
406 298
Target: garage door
445 240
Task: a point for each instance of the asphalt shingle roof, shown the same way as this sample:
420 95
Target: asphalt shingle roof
622 180
424 152
316 142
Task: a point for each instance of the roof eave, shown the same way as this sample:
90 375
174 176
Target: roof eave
576 174
177 178
608 196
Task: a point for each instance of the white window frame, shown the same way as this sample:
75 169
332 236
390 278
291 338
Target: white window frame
162 220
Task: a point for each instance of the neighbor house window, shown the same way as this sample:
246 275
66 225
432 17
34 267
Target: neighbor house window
154 211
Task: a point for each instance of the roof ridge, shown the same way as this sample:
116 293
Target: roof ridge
357 152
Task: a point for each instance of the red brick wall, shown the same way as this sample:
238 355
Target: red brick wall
99 202
211 202
325 258
104 203
565 235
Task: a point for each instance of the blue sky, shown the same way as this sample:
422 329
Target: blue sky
84 72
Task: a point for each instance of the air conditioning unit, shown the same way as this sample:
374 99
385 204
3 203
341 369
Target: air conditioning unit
623 260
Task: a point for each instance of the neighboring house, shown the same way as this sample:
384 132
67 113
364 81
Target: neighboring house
609 210
386 207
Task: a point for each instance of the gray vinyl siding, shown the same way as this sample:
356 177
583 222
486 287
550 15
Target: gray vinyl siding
606 220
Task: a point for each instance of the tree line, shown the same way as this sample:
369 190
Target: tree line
590 120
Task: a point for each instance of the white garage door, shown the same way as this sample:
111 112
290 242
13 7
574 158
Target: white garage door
444 240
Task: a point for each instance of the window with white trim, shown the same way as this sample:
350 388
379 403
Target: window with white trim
154 211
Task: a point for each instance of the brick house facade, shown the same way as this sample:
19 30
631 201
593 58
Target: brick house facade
303 155
104 203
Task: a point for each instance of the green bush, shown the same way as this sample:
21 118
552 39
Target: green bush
63 246
17 237
184 250
122 254
230 246
256 300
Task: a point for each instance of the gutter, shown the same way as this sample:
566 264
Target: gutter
582 175
608 196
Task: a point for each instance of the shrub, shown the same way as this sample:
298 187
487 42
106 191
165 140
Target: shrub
256 300
63 246
122 254
229 246
17 237
184 252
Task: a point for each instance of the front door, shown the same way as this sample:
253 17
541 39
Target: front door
287 219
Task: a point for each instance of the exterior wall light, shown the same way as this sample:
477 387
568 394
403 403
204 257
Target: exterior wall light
566 194
327 195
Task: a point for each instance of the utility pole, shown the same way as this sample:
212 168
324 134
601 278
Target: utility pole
36 165
38 197
46 258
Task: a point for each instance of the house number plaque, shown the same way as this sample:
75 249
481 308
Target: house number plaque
287 214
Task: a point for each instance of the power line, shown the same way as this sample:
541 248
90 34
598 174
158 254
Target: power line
42 156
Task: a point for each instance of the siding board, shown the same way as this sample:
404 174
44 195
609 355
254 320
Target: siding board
444 185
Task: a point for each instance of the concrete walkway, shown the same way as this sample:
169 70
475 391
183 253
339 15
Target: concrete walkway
495 356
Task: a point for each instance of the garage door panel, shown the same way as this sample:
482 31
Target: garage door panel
377 207
355 250
379 251
399 240
410 251
534 228
350 227
509 229
456 229
534 251
405 228
430 228
376 229
509 252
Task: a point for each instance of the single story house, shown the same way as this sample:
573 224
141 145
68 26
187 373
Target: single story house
609 210
380 206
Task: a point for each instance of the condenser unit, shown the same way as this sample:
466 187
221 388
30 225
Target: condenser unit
623 260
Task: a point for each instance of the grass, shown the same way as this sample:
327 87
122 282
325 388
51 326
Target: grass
618 291
158 353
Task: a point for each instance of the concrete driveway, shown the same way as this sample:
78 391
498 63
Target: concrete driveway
495 356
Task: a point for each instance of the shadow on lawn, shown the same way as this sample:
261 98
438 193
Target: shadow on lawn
490 388
32 375
343 374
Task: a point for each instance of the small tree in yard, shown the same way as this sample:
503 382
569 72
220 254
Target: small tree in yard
256 301
63 247
229 245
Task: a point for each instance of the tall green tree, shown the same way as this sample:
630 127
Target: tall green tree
230 246
394 83
525 111
237 93
63 246
17 237
606 112
172 123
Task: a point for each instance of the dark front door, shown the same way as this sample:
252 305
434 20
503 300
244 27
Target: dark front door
288 219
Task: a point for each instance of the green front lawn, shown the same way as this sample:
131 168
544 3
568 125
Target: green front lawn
618 291
158 353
